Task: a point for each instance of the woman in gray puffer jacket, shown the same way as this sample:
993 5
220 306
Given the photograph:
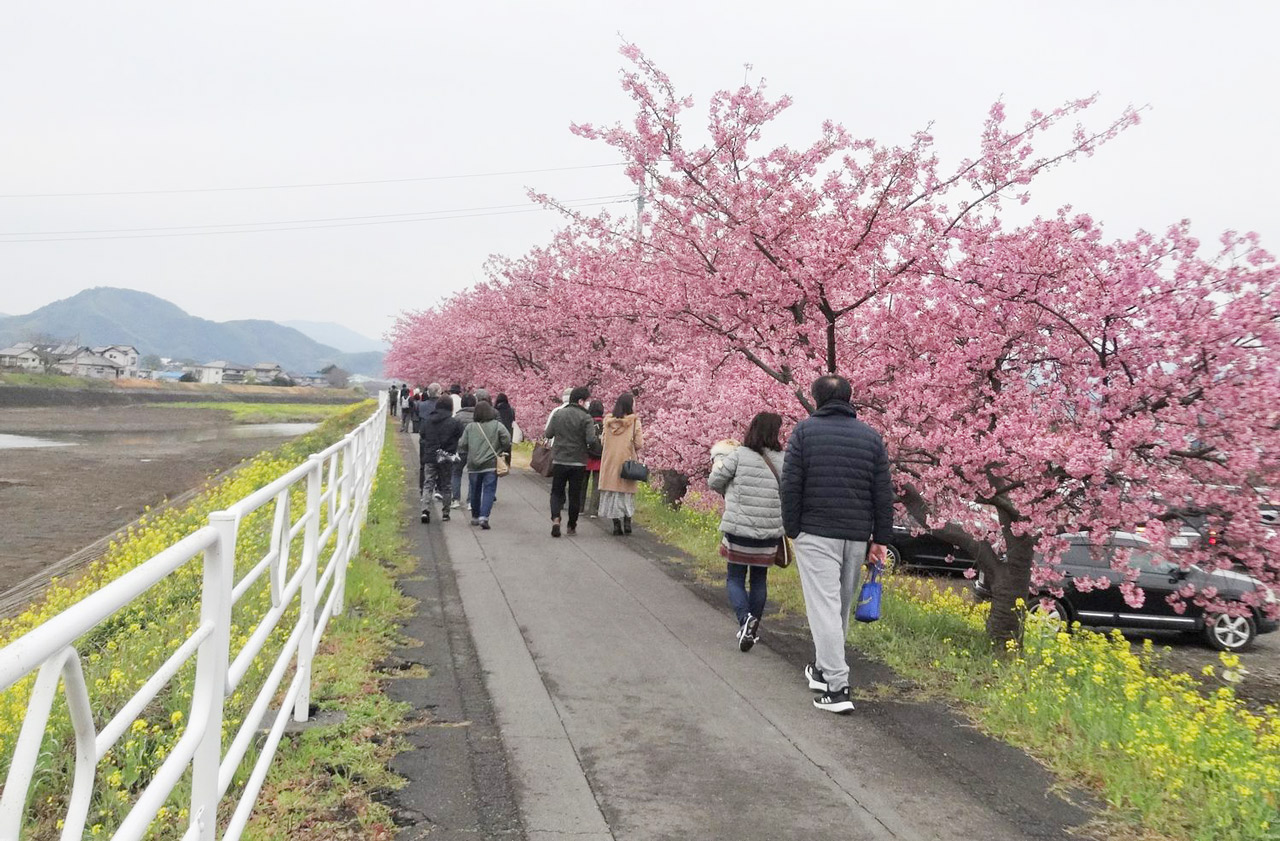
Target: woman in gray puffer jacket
752 521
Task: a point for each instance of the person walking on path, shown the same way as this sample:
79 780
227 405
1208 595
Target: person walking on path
405 397
437 451
591 504
574 436
483 441
463 416
455 394
622 439
749 479
393 400
837 505
506 414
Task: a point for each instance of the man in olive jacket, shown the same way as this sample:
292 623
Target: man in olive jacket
576 438
836 500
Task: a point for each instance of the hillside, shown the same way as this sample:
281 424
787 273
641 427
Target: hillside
107 315
336 335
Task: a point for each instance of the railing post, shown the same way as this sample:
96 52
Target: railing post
342 496
210 690
310 559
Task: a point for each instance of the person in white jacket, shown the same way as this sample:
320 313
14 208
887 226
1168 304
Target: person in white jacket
751 528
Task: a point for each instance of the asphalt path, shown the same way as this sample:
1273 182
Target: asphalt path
624 710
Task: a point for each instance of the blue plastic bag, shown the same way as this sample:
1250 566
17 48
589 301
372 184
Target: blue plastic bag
869 597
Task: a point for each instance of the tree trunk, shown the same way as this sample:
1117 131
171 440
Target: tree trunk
1010 581
674 486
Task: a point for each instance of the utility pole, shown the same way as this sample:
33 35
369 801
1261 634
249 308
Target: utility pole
640 211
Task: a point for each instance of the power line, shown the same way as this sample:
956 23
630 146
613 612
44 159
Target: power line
292 221
304 186
312 227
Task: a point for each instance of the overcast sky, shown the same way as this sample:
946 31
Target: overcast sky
117 97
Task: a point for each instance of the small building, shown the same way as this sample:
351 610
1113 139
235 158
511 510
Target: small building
125 356
312 380
84 362
265 372
22 355
222 372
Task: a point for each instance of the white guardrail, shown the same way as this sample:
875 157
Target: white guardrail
338 479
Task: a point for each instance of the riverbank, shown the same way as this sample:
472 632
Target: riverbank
31 390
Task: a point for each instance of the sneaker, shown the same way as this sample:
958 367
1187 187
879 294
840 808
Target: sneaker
444 516
455 504
745 640
817 682
572 531
426 515
595 516
484 523
475 521
555 529
439 496
834 701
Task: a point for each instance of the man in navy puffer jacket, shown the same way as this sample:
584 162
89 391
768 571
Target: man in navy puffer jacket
837 501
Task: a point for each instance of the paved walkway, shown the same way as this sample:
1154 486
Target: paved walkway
626 710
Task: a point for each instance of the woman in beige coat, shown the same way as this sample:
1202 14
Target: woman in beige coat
622 440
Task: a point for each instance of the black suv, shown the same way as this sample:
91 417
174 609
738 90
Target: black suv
1090 557
924 551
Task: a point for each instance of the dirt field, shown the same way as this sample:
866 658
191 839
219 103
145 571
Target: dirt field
110 464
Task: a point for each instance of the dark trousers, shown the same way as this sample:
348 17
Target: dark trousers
437 476
459 467
590 505
570 476
395 407
736 583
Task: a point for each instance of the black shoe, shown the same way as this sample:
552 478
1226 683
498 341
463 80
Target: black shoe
750 633
484 523
572 531
444 517
834 701
617 527
746 638
626 525
475 521
555 529
426 515
813 674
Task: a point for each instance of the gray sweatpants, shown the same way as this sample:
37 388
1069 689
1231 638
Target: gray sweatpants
830 571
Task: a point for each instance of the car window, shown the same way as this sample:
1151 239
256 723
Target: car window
1084 555
1145 561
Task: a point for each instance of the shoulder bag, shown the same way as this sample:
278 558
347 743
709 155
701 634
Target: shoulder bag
633 470
502 468
786 552
541 460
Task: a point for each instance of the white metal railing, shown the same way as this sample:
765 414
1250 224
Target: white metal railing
336 485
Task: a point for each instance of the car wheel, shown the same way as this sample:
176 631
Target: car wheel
1230 633
893 559
1052 612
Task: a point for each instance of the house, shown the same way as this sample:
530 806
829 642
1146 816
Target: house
125 356
221 371
312 380
21 355
265 372
84 362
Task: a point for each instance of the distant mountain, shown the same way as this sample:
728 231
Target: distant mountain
107 315
335 335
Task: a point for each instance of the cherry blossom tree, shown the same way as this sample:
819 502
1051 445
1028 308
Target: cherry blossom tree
1030 380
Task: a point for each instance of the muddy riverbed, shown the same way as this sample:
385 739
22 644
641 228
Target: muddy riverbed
71 475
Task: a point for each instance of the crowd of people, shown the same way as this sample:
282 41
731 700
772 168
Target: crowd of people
826 499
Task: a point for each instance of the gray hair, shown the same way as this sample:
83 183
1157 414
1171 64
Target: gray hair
482 394
434 390
566 394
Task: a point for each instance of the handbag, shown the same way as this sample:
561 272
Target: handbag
786 552
541 460
501 466
869 598
633 470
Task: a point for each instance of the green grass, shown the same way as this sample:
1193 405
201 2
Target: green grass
325 783
51 380
1170 758
268 412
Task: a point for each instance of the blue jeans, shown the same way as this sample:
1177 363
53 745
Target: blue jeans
736 583
483 488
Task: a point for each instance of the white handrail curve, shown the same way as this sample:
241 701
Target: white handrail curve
336 484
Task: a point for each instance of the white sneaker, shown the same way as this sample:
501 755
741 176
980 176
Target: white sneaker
455 504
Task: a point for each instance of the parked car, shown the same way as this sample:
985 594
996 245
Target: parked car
1160 575
923 551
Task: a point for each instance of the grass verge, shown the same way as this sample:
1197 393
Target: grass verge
326 783
1170 760
268 412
